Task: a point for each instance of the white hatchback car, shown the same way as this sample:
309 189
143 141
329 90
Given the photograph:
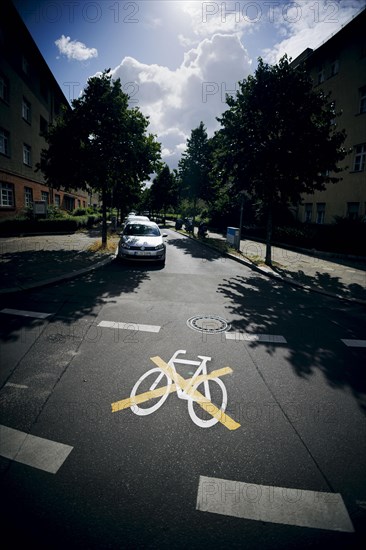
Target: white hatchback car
135 217
142 240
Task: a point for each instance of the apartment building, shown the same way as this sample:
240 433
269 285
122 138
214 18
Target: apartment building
339 66
30 99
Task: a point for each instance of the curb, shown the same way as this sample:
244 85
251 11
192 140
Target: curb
273 275
55 280
312 252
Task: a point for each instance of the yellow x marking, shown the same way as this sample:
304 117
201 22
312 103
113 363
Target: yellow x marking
186 385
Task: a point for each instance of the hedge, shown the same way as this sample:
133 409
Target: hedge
70 224
342 238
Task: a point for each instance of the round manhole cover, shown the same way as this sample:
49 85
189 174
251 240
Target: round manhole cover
208 323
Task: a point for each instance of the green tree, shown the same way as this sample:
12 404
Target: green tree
163 193
100 144
194 167
278 139
126 197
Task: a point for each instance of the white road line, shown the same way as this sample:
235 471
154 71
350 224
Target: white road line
248 337
23 313
129 326
12 385
273 504
355 343
31 450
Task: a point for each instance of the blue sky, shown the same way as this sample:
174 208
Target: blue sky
176 59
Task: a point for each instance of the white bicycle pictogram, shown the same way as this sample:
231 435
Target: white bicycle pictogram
158 377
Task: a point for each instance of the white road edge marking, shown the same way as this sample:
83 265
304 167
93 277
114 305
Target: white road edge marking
273 504
31 450
355 343
248 337
23 313
129 326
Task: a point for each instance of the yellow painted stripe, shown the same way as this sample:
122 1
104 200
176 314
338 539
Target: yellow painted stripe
141 398
205 403
146 396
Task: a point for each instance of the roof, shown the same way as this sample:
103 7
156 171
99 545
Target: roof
348 28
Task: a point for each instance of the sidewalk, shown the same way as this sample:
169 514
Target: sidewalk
333 275
34 261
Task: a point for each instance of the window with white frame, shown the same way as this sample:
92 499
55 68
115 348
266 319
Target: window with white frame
321 74
4 88
44 196
363 100
28 197
360 158
334 67
43 89
6 194
320 212
57 200
43 125
69 202
353 209
26 110
308 212
4 142
25 65
27 154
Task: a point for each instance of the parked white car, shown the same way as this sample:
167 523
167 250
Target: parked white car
135 217
142 240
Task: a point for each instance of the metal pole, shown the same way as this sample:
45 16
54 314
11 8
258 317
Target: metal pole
241 219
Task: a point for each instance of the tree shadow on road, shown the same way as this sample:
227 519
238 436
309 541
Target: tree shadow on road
261 306
325 283
85 294
196 249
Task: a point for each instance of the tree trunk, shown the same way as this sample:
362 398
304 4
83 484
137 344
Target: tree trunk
268 259
104 219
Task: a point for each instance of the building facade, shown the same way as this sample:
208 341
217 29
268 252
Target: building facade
339 66
30 99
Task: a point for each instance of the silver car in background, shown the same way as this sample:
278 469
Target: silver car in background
142 240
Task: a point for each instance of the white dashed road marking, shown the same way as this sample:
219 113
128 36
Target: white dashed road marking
23 313
248 337
31 450
12 385
273 504
355 343
129 326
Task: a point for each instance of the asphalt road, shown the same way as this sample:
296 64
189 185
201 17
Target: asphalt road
283 469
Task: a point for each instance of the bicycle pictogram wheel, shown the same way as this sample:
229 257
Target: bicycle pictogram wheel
202 423
159 379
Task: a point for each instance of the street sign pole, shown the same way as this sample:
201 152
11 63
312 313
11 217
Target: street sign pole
241 218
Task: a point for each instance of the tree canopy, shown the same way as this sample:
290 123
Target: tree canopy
100 144
163 192
278 139
195 166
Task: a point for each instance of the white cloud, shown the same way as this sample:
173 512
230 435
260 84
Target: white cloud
308 24
178 100
215 59
153 22
73 49
208 18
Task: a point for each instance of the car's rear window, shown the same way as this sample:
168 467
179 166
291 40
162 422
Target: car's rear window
141 230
